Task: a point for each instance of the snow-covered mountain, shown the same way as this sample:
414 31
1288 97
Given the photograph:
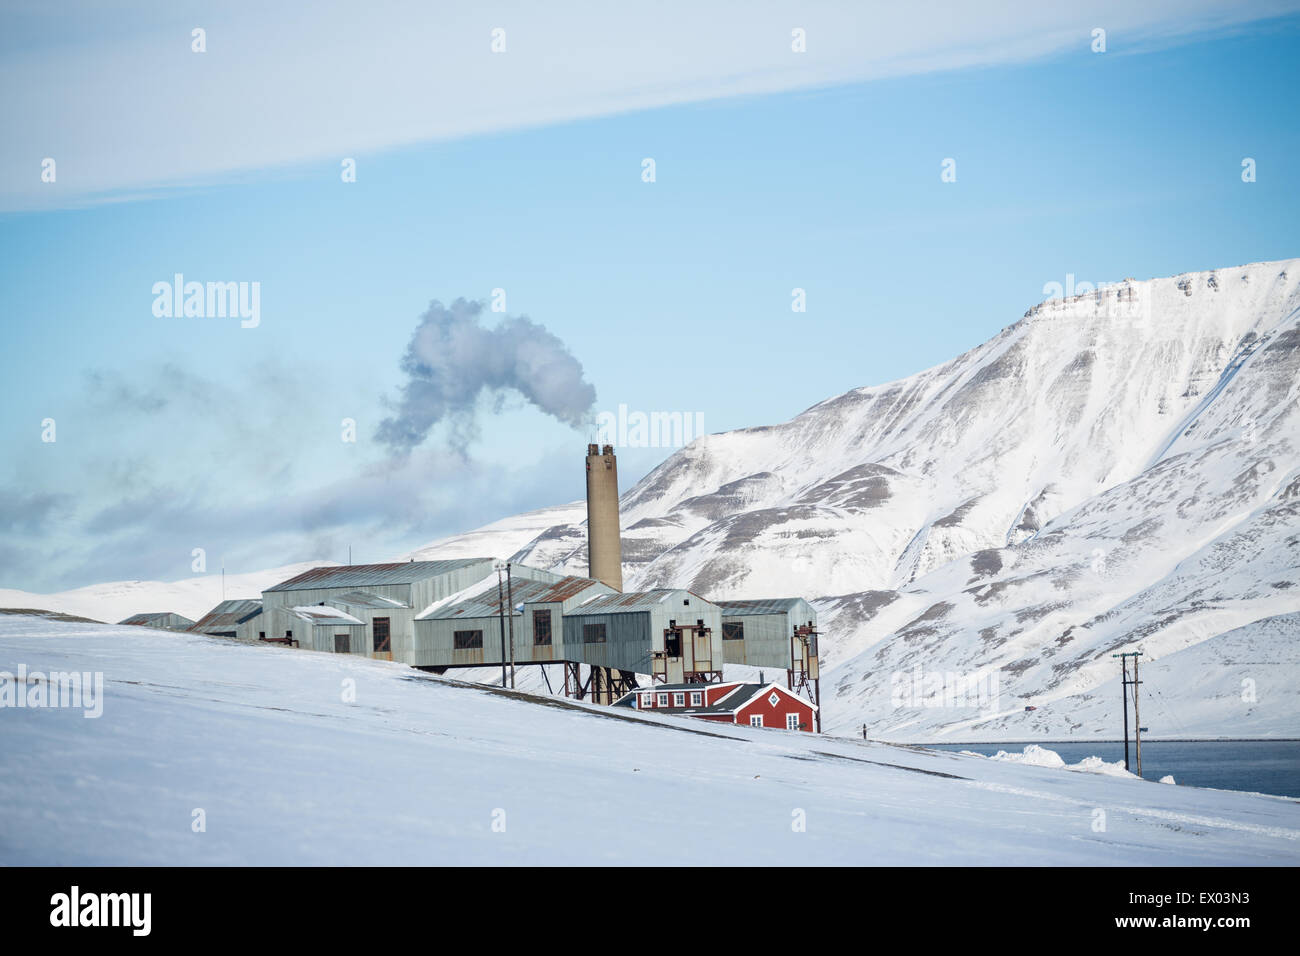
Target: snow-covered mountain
1114 470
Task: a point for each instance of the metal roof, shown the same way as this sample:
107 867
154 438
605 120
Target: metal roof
762 606
363 575
485 603
228 614
565 588
153 617
366 599
324 614
632 602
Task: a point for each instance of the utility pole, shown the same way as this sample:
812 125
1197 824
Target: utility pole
510 621
1125 684
1137 720
501 608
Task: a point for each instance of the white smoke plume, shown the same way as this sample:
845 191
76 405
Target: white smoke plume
452 359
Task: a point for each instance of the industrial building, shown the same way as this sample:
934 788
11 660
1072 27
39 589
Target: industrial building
466 630
735 702
317 627
383 597
475 612
234 618
776 632
163 620
671 634
758 633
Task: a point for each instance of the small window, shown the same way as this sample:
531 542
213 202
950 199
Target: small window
467 640
647 701
756 720
288 635
697 698
542 628
663 700
733 630
593 633
342 644
791 721
773 699
381 633
261 635
679 700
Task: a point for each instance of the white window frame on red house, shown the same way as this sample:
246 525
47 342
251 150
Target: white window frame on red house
792 721
756 720
679 698
647 701
663 700
697 698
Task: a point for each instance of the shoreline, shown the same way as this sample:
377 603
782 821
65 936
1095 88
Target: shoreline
1098 740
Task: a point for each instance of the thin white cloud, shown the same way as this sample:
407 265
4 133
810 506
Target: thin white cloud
116 97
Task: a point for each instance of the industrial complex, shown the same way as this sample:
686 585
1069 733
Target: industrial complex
479 612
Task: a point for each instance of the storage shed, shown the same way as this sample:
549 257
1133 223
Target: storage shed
234 618
163 620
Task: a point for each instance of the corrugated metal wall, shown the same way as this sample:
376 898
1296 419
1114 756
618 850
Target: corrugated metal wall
766 640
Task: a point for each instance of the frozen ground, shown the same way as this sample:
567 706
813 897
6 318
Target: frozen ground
416 770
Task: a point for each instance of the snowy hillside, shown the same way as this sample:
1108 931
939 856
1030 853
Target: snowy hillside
502 537
1113 470
191 597
297 757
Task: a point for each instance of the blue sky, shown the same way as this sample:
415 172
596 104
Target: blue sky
177 433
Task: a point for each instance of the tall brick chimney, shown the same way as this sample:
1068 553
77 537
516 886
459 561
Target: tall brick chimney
604 544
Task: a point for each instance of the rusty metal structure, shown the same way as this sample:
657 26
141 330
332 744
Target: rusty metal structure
804 674
604 685
692 644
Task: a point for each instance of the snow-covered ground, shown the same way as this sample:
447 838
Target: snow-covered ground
295 757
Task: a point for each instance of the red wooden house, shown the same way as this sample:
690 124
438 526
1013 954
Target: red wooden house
733 702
